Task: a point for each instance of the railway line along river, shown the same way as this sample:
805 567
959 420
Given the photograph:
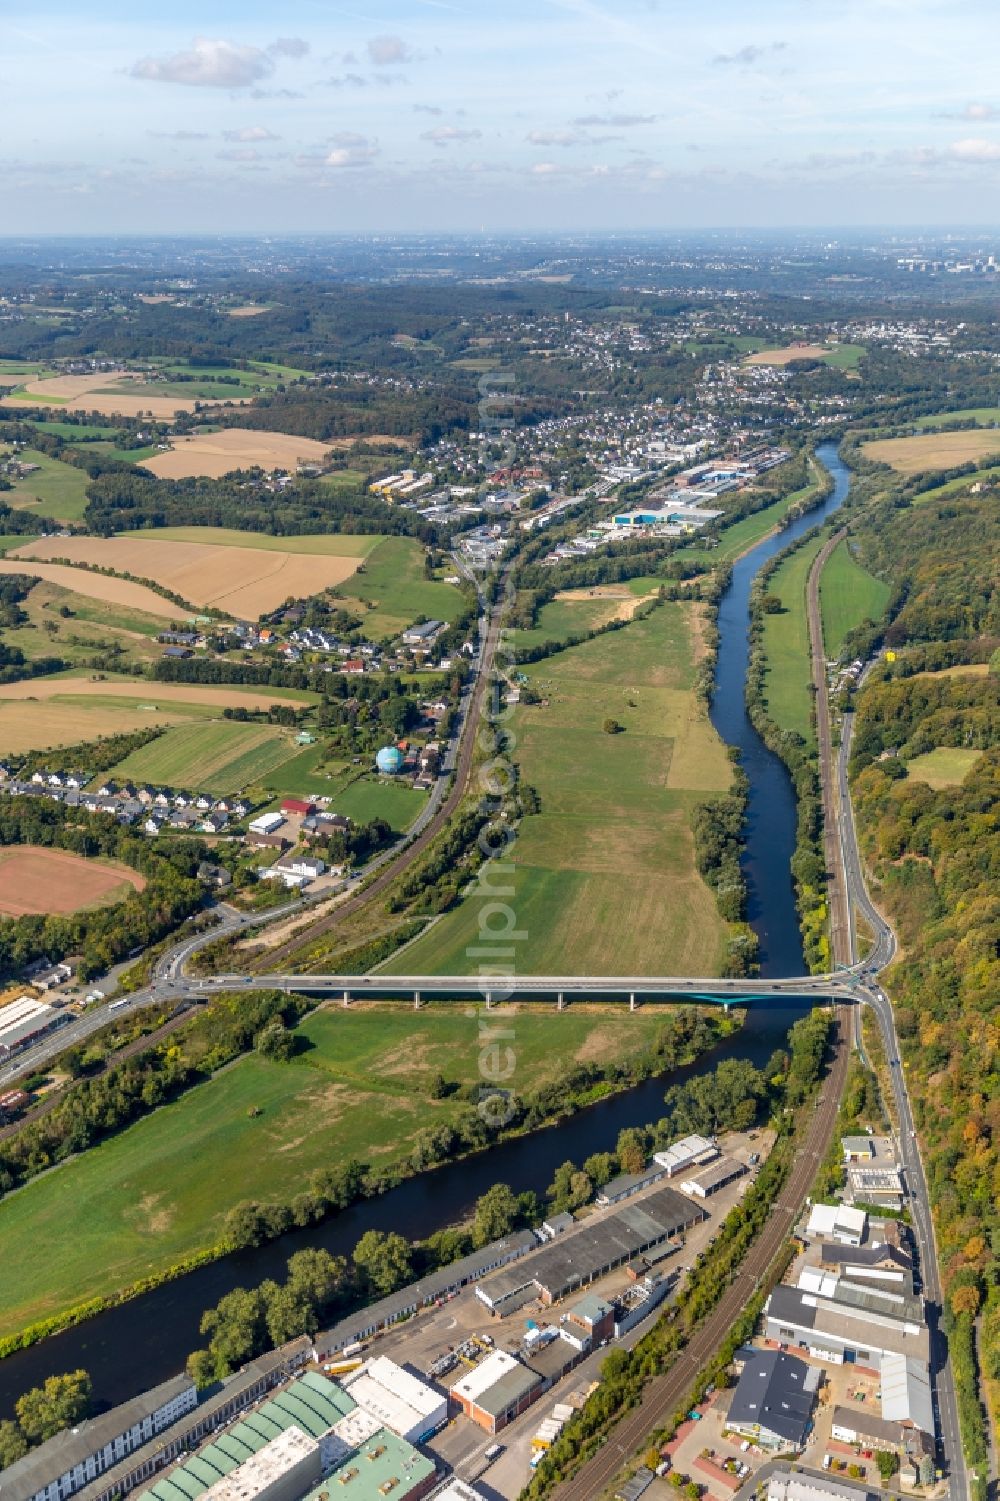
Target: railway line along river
132 1347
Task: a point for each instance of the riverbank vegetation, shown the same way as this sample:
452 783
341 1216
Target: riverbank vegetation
258 1085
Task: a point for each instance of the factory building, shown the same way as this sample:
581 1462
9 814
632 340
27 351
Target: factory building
497 1390
596 1247
410 1407
283 1470
837 1222
74 1458
719 1175
687 1153
841 1334
774 1399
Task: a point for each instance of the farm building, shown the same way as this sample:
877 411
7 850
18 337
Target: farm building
266 823
297 805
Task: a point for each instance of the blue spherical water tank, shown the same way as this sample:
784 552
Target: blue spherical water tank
389 760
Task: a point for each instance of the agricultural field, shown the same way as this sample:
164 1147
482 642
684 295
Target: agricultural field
604 880
788 678
982 416
360 1087
35 879
222 757
19 370
215 454
76 432
945 767
56 489
42 713
393 586
245 580
848 595
933 450
116 393
786 355
988 477
71 626
117 592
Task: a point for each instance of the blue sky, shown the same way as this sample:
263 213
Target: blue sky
460 114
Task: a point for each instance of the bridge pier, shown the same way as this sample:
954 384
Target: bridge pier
346 999
560 1002
416 1000
631 1000
489 1000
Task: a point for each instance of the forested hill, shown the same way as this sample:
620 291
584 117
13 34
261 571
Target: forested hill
926 783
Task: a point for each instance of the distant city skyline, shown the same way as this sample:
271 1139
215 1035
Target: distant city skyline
451 115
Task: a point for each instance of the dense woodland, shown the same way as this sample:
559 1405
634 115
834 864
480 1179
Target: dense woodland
935 856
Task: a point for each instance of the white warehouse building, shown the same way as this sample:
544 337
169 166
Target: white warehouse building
411 1408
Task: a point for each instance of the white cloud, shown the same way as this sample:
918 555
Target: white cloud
178 135
388 51
217 64
250 133
347 81
973 111
289 46
427 109
554 137
445 135
747 56
350 150
239 154
617 121
976 149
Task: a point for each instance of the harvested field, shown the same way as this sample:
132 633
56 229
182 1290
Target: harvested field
34 879
933 450
99 392
248 310
97 586
215 695
246 582
215 454
786 356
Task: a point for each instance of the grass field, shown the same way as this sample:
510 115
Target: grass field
340 545
18 370
57 489
848 595
42 713
984 416
92 625
375 797
360 1088
393 585
603 878
933 450
220 757
562 618
787 680
308 773
945 767
952 486
78 432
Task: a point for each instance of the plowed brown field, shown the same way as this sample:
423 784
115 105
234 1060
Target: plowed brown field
34 879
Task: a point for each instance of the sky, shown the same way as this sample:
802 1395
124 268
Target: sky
209 116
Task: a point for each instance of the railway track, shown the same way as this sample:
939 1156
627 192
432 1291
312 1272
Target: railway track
665 1393
272 959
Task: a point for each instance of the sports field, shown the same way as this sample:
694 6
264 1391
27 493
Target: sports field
933 450
215 454
220 757
788 679
37 879
848 595
245 581
604 880
945 767
361 1088
393 586
55 489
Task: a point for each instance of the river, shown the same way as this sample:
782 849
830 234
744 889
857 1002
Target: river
132 1347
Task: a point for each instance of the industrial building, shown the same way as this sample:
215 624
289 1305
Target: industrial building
283 1470
497 1390
801 1485
853 1425
906 1393
839 1334
410 1407
596 1247
719 1175
877 1185
686 1153
774 1399
72 1459
891 1265
440 1284
627 1184
25 1018
858 1148
837 1222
